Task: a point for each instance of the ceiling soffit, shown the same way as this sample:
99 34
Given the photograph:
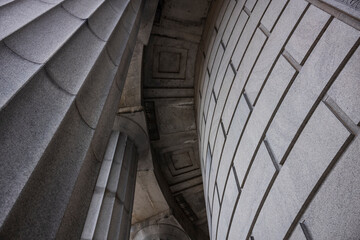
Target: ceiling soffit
168 99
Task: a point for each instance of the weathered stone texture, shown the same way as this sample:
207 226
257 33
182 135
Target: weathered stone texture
286 120
62 68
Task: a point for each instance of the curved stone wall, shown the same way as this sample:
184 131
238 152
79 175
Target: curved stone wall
278 118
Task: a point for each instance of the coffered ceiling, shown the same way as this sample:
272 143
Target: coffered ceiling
168 97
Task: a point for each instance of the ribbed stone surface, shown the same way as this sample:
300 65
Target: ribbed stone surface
27 125
16 14
128 18
14 72
82 8
57 172
103 21
74 217
38 40
92 96
103 129
59 92
70 67
119 5
116 45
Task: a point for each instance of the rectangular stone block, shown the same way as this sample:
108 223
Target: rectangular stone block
316 147
242 74
204 90
221 13
234 38
213 52
210 84
268 100
206 176
215 216
272 13
248 31
220 104
220 32
250 4
219 81
213 77
201 142
258 181
227 206
273 46
231 24
308 85
334 212
306 32
220 140
240 117
346 88
208 123
206 61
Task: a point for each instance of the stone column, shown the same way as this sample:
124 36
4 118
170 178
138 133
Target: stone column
110 209
62 69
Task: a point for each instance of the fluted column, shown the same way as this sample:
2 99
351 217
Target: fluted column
62 69
110 209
